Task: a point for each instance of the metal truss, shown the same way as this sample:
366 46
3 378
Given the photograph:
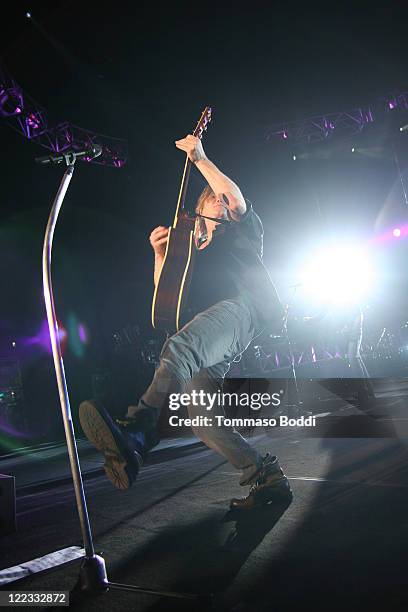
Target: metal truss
347 123
68 136
28 118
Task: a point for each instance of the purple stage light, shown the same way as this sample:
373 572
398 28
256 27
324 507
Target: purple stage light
42 338
391 234
11 101
78 335
83 333
33 121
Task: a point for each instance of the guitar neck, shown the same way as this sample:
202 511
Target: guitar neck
198 132
183 190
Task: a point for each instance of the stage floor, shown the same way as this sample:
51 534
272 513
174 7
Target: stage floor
341 543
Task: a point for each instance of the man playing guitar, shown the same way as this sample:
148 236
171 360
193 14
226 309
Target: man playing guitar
231 300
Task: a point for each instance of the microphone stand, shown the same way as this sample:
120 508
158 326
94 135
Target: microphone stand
294 404
92 577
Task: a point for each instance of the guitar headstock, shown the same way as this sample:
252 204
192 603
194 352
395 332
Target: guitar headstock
203 122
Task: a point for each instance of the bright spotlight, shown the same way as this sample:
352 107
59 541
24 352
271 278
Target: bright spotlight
338 274
396 232
28 15
353 149
294 157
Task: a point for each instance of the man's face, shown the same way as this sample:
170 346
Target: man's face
213 207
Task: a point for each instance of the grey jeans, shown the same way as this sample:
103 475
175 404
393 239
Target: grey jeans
197 358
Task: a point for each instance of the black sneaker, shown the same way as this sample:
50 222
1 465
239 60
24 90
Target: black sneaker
122 459
271 486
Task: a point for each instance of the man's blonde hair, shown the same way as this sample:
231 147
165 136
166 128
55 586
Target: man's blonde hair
207 191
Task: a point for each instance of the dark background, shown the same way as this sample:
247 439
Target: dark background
144 73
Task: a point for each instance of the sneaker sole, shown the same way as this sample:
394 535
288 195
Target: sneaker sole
100 435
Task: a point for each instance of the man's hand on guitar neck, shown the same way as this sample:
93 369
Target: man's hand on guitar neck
193 146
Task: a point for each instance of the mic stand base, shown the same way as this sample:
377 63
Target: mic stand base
93 580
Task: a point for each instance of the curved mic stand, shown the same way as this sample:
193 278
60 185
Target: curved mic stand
92 577
296 403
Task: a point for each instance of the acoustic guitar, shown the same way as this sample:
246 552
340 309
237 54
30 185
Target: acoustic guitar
172 287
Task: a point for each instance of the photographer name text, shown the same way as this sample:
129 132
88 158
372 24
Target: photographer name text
223 421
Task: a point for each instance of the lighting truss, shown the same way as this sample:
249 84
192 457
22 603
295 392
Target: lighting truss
28 118
346 123
68 136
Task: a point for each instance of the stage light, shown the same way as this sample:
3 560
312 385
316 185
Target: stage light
294 157
389 235
11 102
33 121
28 15
83 333
339 274
353 149
42 338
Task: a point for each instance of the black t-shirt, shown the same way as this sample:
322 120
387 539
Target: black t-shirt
231 267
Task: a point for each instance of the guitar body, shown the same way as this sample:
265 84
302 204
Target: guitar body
171 291
172 288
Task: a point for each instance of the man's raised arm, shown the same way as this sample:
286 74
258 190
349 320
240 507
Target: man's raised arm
220 183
